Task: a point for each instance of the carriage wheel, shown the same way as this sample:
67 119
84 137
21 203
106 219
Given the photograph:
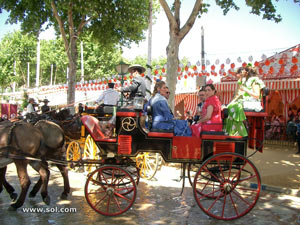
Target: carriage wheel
192 171
148 164
73 154
110 190
90 152
227 186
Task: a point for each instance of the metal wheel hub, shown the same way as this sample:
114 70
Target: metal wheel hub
110 191
226 187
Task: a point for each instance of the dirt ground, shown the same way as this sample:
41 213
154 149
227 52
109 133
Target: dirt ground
278 166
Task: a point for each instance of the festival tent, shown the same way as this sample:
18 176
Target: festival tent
280 74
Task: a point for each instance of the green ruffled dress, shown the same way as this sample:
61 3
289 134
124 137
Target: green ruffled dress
236 115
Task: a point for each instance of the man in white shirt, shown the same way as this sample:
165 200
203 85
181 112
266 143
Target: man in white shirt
109 97
30 106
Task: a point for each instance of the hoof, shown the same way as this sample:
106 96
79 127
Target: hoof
12 208
32 195
64 196
13 196
47 200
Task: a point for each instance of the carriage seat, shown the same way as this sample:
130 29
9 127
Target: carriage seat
149 114
108 109
265 92
251 113
220 135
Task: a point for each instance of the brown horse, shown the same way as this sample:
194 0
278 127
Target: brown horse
35 141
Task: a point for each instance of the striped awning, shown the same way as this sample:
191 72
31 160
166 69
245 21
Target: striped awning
190 101
226 89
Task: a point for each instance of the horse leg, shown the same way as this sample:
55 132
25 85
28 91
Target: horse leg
64 172
42 169
35 188
21 166
10 190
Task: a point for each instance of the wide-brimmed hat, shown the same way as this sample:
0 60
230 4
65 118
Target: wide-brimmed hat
45 100
111 85
136 66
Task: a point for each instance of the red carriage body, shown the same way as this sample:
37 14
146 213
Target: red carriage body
225 182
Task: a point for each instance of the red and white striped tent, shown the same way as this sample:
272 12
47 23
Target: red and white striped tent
280 73
189 100
289 90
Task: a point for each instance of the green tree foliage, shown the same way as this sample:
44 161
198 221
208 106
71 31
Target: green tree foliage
110 21
99 61
52 53
15 51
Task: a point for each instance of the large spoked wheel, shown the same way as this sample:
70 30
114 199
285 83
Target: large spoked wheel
73 154
148 164
110 190
90 152
227 186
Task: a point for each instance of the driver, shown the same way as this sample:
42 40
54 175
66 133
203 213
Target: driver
138 85
109 97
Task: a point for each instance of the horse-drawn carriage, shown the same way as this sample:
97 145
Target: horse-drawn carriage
226 184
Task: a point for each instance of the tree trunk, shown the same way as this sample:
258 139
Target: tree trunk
172 65
72 74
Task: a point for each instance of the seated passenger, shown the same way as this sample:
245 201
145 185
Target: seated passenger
248 98
210 119
161 114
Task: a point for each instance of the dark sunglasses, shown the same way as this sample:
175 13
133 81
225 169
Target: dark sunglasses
168 92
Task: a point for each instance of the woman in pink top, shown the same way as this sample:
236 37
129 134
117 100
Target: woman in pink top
210 119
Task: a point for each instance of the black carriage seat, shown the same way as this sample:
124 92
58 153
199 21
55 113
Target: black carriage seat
108 109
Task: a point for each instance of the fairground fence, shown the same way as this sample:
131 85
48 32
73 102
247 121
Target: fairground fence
279 135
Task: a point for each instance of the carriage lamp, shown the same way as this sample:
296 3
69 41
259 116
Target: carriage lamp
138 103
122 69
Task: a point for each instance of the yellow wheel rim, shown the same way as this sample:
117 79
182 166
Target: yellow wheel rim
90 152
73 153
147 163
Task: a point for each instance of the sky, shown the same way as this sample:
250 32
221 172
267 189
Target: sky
238 34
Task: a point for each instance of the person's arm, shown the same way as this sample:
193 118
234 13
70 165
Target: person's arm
101 98
133 87
208 114
254 92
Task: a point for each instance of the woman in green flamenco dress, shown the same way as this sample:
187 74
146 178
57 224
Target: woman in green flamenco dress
248 97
